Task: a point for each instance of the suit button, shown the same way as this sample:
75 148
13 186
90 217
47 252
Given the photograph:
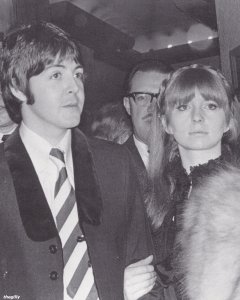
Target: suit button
5 274
53 249
89 264
53 275
80 238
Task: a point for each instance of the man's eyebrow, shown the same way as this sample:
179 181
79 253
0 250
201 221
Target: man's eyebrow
78 67
62 66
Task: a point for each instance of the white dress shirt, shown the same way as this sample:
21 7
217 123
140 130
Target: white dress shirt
143 151
39 151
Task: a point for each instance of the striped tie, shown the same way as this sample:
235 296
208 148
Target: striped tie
78 275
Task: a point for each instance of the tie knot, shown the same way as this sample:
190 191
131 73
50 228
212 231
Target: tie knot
4 137
55 152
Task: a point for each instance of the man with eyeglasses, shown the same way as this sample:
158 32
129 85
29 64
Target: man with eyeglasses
142 89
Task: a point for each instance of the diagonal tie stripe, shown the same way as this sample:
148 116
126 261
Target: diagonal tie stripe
93 295
65 209
58 154
85 287
60 181
70 245
78 277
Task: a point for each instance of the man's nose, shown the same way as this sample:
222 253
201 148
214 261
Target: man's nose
73 85
151 106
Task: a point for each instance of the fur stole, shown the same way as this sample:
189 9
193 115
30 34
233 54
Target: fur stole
209 243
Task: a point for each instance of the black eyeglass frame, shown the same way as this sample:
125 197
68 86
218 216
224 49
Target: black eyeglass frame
133 95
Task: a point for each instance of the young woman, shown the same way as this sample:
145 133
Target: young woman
194 132
193 140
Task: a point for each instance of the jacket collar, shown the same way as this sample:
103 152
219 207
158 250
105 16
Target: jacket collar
34 210
87 188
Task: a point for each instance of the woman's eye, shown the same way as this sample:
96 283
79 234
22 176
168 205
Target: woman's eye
182 107
212 106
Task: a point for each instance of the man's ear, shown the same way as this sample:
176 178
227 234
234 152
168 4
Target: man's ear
166 127
126 104
18 94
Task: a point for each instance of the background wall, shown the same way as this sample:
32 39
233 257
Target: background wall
228 19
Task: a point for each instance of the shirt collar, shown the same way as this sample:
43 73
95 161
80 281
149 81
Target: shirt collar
40 154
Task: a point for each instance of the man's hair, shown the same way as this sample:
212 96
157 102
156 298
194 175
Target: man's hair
26 52
152 65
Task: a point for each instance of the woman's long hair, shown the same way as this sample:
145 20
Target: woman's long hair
179 88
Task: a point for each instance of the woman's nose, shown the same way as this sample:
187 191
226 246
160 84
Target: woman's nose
197 115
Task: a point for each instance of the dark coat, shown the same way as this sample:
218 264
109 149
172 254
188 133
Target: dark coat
137 160
110 211
160 235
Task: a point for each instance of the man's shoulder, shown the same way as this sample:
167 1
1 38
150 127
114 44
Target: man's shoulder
129 142
131 146
102 147
105 154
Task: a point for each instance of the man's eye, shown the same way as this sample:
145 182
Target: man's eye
140 98
56 75
80 75
182 107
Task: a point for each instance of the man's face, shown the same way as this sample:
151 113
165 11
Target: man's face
58 95
6 124
142 115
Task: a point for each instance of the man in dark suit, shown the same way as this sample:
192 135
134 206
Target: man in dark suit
71 216
143 85
142 89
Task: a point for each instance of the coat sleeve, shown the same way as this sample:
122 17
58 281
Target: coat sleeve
139 242
139 239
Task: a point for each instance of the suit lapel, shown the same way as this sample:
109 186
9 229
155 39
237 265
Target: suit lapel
87 188
138 162
34 210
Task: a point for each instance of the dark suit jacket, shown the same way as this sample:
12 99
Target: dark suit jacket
138 162
159 235
110 211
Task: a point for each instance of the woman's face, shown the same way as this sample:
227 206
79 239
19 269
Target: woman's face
197 125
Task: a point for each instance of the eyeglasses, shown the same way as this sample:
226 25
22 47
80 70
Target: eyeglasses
142 99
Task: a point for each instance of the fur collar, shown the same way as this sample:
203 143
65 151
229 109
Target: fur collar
34 210
208 257
179 178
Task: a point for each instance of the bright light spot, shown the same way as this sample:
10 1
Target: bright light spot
189 42
210 37
198 32
169 46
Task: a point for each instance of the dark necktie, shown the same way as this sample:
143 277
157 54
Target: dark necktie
4 137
